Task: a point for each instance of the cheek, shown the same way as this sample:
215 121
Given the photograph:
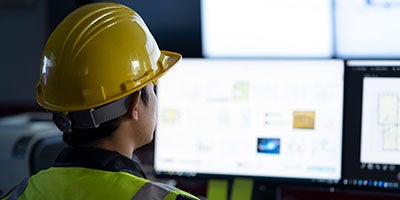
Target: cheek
152 108
155 105
154 111
153 102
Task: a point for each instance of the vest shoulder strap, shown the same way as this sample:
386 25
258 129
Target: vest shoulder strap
154 190
17 190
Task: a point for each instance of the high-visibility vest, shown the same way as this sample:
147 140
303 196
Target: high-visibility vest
66 183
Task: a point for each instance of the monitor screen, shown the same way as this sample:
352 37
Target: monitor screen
252 118
371 145
367 29
267 28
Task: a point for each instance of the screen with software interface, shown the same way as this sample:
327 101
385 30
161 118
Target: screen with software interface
367 29
255 118
372 117
267 28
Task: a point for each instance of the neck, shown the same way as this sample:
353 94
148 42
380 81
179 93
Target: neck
124 140
117 141
110 144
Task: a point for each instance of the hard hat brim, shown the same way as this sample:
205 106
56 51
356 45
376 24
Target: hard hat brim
173 59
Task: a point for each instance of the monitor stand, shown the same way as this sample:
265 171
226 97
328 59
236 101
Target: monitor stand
239 189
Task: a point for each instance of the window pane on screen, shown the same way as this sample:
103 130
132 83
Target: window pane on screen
367 29
267 28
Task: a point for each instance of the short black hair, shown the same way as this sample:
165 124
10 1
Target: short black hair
82 136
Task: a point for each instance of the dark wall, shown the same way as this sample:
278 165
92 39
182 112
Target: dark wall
22 37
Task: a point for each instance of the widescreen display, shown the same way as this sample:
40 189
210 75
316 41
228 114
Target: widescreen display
256 118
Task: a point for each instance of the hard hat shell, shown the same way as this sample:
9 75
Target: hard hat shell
99 53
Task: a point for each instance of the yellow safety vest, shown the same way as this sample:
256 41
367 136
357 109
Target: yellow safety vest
66 183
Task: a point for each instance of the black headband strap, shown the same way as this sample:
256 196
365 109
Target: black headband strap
93 117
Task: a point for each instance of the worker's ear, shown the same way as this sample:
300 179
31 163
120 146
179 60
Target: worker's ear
134 109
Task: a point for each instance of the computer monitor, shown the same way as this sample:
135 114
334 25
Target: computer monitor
271 119
371 145
267 28
367 29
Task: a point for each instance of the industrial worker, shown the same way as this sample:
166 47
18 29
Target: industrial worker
97 76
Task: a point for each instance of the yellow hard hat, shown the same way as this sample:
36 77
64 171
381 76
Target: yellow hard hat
99 53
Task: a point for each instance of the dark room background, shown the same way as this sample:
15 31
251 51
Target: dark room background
25 26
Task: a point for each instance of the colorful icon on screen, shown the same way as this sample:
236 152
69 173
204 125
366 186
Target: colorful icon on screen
269 145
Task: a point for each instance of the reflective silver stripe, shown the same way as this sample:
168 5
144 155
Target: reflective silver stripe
153 190
18 190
